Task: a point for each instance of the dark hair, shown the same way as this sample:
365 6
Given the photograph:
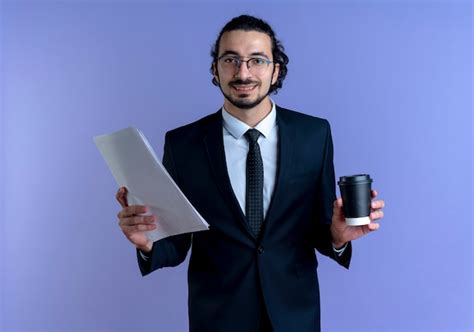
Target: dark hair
250 23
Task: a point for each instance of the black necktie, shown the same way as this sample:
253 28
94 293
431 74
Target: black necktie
254 185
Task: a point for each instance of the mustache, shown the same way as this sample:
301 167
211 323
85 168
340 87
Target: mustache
241 82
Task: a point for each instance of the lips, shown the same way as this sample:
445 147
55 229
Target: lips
243 88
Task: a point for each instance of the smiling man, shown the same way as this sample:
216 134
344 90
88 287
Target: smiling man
263 178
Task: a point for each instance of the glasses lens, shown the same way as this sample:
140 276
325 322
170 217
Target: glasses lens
232 64
257 65
229 63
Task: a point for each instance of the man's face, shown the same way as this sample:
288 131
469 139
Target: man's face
245 87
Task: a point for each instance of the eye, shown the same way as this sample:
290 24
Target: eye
257 61
230 60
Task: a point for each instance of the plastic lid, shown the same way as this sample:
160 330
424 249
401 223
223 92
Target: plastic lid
357 178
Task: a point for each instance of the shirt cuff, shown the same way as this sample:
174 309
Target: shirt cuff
145 257
340 251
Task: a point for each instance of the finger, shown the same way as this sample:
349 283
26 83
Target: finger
137 220
373 193
378 214
121 196
139 228
378 204
373 226
132 210
337 203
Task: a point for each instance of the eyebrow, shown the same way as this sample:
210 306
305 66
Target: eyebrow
251 54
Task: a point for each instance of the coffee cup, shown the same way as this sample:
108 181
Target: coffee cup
356 198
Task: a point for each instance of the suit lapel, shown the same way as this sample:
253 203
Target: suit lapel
285 161
214 143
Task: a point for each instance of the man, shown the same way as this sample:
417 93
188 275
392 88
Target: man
263 178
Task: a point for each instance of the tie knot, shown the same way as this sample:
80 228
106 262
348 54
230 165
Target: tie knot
252 135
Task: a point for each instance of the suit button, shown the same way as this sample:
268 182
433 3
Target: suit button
260 249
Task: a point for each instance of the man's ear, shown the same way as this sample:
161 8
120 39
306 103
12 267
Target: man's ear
215 72
276 71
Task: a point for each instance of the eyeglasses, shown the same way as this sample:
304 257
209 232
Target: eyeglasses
256 65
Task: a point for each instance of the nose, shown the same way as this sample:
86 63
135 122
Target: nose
243 71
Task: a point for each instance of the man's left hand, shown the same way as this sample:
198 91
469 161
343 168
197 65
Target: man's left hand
342 233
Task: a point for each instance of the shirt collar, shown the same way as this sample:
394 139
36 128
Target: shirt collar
238 128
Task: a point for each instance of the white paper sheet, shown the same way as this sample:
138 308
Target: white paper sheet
134 165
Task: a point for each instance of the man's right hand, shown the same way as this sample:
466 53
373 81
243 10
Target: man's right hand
133 224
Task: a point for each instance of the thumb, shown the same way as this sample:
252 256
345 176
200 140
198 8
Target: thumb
337 206
121 196
338 203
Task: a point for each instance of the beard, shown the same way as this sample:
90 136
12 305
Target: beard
243 103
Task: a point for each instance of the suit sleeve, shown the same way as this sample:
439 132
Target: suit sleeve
170 251
324 206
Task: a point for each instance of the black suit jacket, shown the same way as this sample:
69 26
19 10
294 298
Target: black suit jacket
232 274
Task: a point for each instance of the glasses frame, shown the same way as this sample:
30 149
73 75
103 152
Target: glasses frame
241 60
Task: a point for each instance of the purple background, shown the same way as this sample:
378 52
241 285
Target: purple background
394 78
